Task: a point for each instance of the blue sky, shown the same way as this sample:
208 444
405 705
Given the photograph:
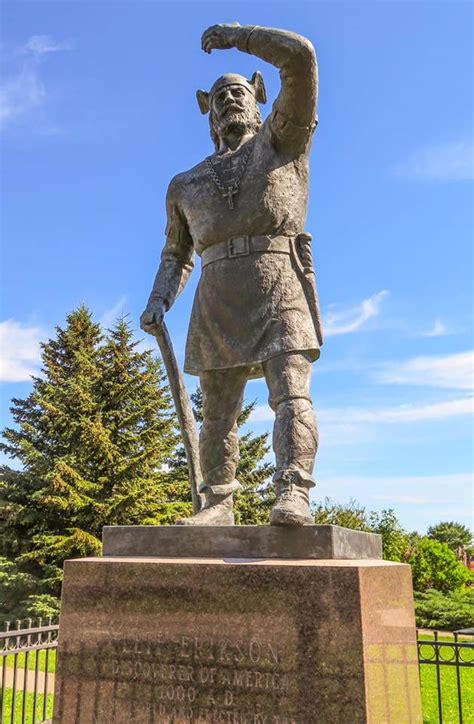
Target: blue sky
98 113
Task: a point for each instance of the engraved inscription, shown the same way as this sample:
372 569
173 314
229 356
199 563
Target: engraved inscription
181 677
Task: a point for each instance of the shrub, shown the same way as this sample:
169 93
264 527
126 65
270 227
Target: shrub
434 565
448 611
348 515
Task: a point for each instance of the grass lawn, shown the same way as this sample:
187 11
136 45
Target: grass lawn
32 661
7 705
449 696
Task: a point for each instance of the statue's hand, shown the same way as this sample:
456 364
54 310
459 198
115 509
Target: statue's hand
153 315
220 37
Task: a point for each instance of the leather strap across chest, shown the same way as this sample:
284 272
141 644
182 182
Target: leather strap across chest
240 246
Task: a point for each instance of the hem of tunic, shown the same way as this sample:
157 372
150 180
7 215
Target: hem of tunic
256 369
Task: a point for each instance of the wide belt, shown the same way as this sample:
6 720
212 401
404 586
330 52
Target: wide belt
240 246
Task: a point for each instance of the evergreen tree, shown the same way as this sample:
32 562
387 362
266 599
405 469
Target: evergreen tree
254 502
94 438
456 535
139 437
47 503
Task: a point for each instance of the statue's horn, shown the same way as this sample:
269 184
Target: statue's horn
203 101
259 85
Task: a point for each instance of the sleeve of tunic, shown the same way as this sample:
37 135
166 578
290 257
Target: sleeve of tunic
177 257
294 114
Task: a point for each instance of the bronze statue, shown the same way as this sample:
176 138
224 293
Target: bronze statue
256 312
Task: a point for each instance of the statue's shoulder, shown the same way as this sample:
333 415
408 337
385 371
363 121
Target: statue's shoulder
182 181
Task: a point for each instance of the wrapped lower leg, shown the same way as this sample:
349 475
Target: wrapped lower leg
218 506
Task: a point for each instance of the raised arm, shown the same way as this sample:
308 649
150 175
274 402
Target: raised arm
175 266
295 57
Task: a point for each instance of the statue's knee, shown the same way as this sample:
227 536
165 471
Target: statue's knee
295 424
293 407
220 431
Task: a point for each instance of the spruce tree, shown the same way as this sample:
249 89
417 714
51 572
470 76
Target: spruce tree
94 439
53 494
456 535
139 439
45 504
254 502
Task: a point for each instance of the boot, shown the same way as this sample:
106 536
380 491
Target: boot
292 506
217 508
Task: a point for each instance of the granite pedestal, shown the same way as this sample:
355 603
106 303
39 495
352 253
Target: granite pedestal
241 541
236 640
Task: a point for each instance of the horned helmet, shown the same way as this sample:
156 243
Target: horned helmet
255 86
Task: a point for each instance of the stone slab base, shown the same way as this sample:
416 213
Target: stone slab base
241 541
149 640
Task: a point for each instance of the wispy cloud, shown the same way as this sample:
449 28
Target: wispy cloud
408 499
110 316
428 490
20 94
455 371
352 319
19 351
438 329
23 90
42 44
453 161
261 413
400 413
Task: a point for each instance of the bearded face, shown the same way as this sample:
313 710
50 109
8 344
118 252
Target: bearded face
234 109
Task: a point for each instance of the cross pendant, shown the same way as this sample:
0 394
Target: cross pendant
228 194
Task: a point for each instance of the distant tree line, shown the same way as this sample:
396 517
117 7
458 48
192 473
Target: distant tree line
96 443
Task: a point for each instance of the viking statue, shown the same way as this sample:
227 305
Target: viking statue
255 313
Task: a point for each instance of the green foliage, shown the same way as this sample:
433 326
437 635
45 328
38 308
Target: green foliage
20 597
94 438
455 535
434 565
254 502
43 606
445 611
395 540
348 515
15 588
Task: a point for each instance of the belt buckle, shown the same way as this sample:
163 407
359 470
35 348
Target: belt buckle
238 246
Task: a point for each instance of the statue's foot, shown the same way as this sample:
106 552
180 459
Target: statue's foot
217 511
292 507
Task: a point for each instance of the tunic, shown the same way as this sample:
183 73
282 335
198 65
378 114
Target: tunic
251 308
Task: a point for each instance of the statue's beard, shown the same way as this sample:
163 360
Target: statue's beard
238 121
